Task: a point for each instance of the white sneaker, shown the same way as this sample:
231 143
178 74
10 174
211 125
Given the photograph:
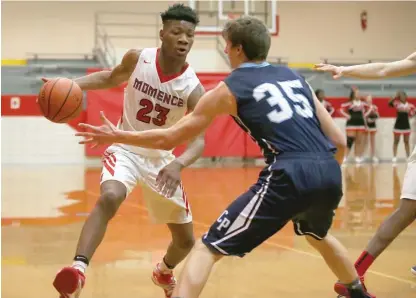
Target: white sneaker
375 159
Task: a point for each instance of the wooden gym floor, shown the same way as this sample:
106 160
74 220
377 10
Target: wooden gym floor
44 207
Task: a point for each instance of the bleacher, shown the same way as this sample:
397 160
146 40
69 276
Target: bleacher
342 86
26 79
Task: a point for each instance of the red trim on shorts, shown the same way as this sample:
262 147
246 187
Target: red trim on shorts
185 199
405 132
109 169
109 162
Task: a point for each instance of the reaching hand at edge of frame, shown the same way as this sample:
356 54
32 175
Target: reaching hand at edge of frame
335 70
99 135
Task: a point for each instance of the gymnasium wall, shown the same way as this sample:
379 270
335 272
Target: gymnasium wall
332 29
29 138
211 61
308 31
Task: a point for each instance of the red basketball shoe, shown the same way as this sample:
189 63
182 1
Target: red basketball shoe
69 282
164 280
343 291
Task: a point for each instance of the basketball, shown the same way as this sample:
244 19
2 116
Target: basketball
60 100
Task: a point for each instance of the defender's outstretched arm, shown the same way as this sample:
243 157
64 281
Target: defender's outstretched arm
216 102
406 66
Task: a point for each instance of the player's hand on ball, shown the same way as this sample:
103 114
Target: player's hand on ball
98 135
335 70
169 178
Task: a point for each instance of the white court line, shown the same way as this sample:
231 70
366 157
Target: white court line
320 257
268 242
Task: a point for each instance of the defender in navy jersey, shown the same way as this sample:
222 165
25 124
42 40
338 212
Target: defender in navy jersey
302 180
275 106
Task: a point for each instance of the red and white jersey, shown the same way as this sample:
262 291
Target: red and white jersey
405 107
355 109
153 100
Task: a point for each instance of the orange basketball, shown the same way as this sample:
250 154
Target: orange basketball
60 100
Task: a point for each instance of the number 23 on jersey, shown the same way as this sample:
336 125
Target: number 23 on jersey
143 114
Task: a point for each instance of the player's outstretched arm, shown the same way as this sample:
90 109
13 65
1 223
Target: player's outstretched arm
399 68
216 102
110 78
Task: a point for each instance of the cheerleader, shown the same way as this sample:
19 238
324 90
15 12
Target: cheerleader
372 127
320 94
356 111
404 110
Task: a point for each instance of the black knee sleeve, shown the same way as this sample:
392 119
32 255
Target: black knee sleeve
350 142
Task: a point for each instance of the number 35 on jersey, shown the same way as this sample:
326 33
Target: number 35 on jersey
280 100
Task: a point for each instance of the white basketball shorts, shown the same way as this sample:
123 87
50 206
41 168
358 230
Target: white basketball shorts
409 182
131 169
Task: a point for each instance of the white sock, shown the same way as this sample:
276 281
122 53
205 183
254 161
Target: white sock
79 265
164 268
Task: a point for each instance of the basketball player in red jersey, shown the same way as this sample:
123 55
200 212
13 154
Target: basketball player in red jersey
406 212
161 89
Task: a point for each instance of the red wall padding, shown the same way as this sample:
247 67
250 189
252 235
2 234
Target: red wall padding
26 105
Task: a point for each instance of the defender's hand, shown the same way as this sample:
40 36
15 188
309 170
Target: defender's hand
104 134
335 70
169 178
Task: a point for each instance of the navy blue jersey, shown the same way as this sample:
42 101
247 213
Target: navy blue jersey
275 106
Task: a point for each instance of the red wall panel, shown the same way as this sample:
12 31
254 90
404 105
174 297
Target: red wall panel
26 105
111 103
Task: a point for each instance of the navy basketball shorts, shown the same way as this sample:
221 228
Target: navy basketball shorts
299 187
